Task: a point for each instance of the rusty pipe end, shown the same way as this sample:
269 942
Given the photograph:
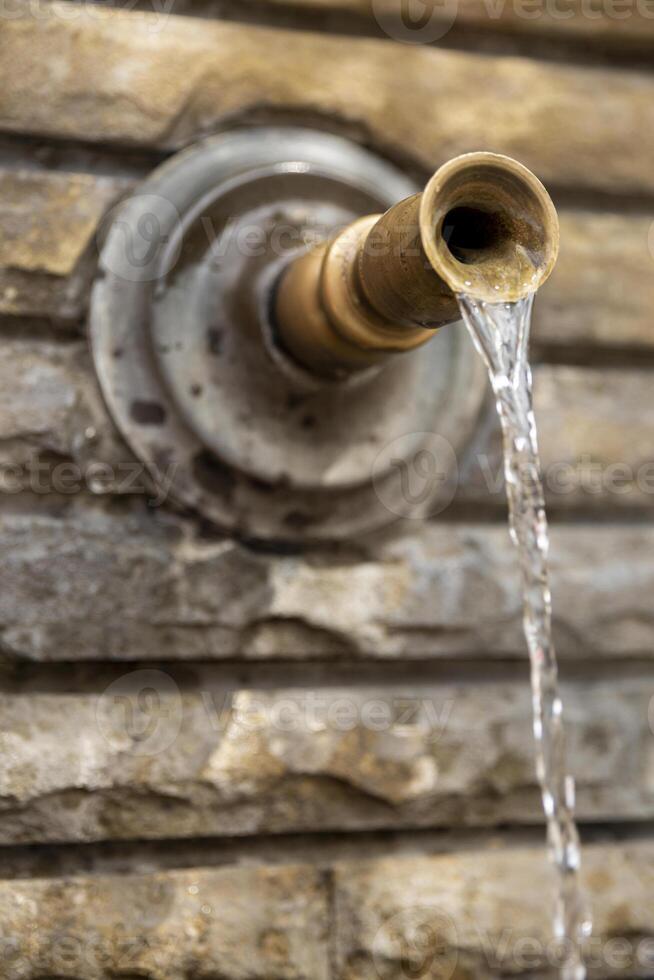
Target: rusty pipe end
488 227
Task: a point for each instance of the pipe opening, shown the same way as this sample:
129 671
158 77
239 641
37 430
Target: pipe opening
488 227
472 234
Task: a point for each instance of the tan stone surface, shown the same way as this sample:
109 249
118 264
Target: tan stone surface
232 923
125 588
596 439
92 587
150 80
47 247
602 289
55 434
480 916
588 415
143 759
471 914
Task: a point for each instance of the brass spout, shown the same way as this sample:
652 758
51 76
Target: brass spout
484 225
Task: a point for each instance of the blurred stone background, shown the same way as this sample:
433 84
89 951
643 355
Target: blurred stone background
227 762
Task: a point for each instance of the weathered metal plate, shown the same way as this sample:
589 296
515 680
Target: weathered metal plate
184 352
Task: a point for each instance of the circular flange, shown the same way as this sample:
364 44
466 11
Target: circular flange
182 344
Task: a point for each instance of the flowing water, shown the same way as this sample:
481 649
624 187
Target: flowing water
500 332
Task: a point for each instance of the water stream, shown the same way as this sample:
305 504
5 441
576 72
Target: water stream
500 332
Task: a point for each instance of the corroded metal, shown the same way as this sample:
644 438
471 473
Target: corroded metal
484 224
190 363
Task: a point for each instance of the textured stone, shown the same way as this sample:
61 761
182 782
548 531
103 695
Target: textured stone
55 434
47 249
149 79
90 587
598 442
485 915
480 913
596 439
161 597
602 289
144 759
232 923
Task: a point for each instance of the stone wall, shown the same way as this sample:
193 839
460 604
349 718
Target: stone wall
223 761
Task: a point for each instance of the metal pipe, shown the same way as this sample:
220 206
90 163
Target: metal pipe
484 225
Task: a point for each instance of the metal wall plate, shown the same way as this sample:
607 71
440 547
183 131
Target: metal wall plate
185 353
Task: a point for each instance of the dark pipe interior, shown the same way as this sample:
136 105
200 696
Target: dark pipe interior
469 232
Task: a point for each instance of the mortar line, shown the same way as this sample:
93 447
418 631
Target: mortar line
318 849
